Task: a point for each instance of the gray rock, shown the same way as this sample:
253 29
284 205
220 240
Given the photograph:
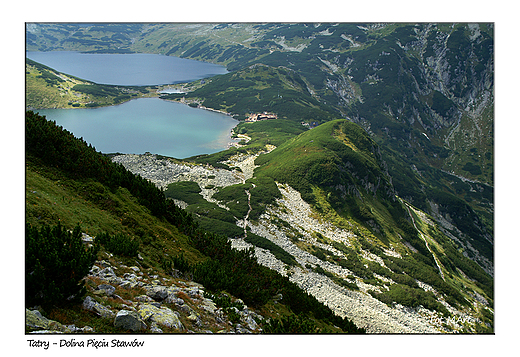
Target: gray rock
130 276
195 318
75 329
104 263
34 320
92 305
240 329
158 293
129 320
154 328
86 238
209 306
143 298
125 284
160 315
107 272
251 323
183 308
173 299
108 289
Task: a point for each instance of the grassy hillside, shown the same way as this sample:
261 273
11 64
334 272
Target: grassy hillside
47 88
339 162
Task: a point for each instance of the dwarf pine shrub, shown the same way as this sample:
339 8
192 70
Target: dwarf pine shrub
118 244
56 261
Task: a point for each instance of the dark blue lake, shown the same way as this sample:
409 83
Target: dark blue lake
127 69
148 125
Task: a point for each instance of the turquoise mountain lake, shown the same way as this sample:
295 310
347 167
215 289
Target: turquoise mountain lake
135 69
148 125
145 124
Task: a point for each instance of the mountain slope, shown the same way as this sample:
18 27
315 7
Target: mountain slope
321 210
423 91
69 183
259 88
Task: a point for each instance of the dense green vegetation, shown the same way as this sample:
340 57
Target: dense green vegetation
103 90
185 191
55 264
264 243
407 296
467 204
291 324
261 88
119 244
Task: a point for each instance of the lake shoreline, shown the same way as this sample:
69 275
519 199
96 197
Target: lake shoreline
152 124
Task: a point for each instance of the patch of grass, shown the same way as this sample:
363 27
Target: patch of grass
187 191
412 297
235 198
276 250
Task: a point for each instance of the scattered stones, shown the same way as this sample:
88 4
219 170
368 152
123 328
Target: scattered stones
86 238
108 272
359 306
35 322
162 172
250 321
364 310
160 308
